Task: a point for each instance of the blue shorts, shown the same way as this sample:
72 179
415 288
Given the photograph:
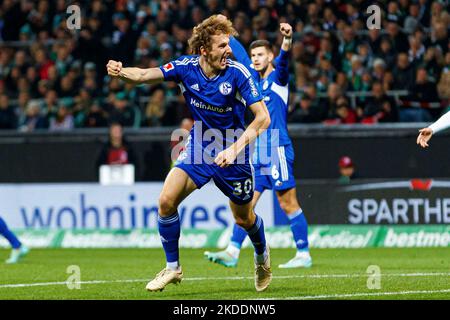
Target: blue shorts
279 173
235 181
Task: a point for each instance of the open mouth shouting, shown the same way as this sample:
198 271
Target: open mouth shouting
223 60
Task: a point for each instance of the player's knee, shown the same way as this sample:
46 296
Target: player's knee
285 206
289 206
166 205
244 222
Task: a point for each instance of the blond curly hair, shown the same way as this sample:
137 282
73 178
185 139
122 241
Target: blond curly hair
214 25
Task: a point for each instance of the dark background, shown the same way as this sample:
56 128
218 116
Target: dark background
381 151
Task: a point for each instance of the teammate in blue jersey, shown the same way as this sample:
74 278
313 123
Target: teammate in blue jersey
18 249
214 87
277 173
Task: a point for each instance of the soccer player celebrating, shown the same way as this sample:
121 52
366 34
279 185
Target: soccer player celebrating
425 134
18 249
278 173
213 86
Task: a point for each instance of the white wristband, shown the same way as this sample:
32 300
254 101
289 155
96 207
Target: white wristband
288 41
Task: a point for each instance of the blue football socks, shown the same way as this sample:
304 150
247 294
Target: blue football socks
12 239
169 231
257 236
238 236
299 228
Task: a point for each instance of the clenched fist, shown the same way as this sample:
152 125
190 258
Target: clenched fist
286 30
225 158
114 68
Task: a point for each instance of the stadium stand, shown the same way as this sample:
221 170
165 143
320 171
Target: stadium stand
52 78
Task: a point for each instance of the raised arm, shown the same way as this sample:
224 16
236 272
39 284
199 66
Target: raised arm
134 75
282 61
260 123
425 134
286 31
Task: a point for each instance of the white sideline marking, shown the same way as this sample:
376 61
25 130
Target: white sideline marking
312 276
356 275
44 284
352 295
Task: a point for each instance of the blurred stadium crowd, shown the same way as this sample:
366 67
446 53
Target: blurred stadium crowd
341 72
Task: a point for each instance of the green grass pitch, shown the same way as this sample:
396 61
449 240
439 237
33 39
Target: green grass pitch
123 273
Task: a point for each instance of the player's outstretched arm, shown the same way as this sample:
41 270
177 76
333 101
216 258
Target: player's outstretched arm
425 134
260 123
134 75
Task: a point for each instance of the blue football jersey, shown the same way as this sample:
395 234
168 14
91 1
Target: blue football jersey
275 89
213 101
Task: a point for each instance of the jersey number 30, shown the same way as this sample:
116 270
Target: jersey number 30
237 185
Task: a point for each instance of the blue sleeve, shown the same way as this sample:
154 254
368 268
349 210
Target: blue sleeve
174 70
246 85
282 67
241 55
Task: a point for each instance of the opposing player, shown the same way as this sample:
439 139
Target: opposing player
18 249
278 172
213 86
425 134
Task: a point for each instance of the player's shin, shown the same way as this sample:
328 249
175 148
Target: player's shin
237 238
299 227
169 231
258 238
